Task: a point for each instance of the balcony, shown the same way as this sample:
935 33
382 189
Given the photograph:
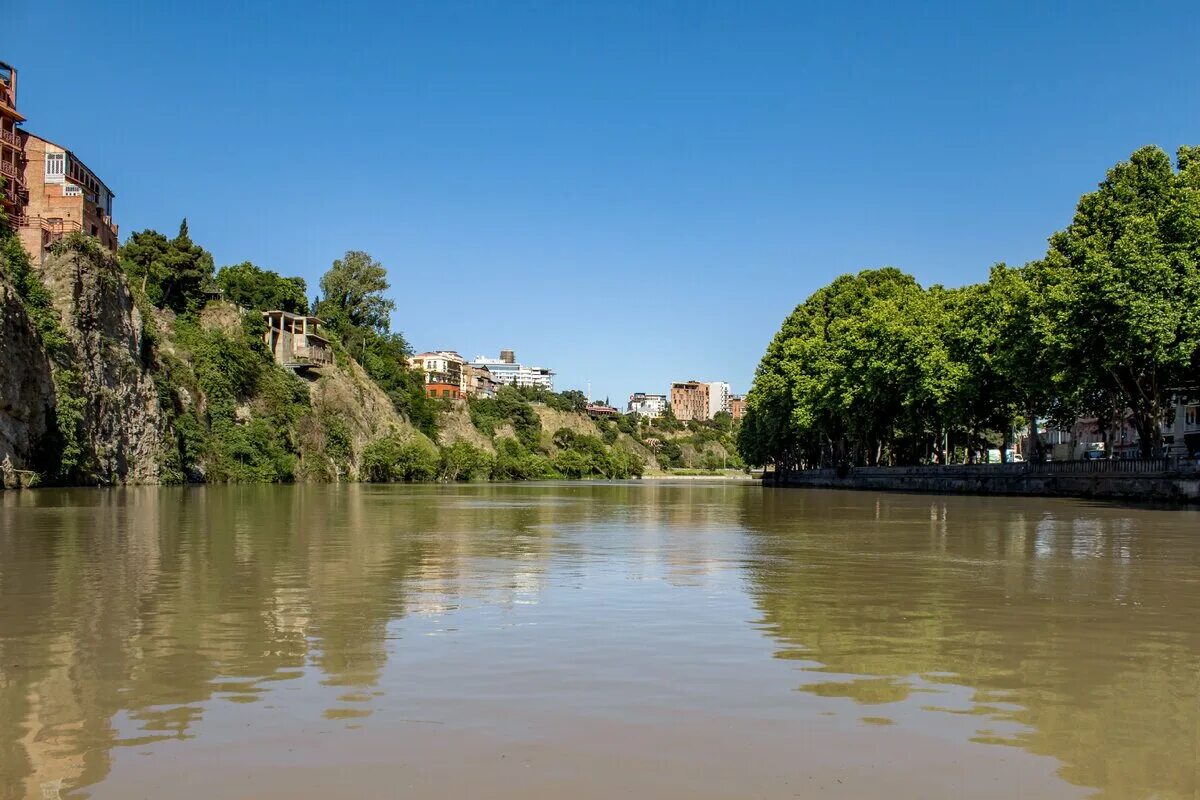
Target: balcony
57 227
315 354
10 138
13 171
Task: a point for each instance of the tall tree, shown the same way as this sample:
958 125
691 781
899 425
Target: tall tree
1122 292
353 293
172 272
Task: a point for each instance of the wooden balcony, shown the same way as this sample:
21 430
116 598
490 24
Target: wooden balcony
10 138
14 171
58 227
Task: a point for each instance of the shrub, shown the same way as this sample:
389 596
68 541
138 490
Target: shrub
393 458
463 461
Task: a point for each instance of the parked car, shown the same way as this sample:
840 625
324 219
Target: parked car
1094 455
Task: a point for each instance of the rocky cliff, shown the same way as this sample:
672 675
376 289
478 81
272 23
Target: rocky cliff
26 389
121 429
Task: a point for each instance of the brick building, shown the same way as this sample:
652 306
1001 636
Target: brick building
689 400
64 196
48 190
12 155
737 406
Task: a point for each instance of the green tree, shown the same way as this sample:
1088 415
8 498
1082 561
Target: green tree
172 273
463 461
1122 292
353 294
261 289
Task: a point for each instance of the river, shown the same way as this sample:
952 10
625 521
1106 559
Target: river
592 640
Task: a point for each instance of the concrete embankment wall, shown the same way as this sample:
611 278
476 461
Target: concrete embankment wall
1014 479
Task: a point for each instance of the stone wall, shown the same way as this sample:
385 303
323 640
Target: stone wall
1175 486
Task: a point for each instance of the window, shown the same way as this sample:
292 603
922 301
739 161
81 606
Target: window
1192 415
56 166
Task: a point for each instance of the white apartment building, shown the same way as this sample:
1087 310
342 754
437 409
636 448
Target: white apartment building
506 370
718 398
651 406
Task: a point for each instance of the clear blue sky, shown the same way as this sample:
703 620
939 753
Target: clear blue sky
629 193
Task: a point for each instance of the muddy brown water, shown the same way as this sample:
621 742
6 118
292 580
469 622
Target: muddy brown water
589 640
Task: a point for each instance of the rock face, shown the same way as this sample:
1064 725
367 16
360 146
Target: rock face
26 389
123 428
346 393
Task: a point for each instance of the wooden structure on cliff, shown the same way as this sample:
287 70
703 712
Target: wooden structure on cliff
294 341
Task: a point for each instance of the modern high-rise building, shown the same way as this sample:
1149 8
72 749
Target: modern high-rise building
650 406
507 370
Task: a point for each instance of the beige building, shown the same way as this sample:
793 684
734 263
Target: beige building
444 372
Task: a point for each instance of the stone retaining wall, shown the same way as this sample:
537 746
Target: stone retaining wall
1015 479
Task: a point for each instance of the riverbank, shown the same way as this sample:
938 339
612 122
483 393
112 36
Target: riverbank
1152 480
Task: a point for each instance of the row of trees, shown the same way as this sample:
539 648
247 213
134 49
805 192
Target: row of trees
875 369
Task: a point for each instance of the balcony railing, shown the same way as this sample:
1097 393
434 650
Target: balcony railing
10 138
12 171
313 354
59 226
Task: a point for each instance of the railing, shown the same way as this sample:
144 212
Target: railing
10 137
56 226
12 171
1116 466
313 355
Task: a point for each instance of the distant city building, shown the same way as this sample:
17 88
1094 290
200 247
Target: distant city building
700 399
718 398
444 373
480 381
601 410
650 406
48 191
506 370
689 400
737 406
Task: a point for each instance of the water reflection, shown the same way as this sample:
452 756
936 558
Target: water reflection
128 618
1079 623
